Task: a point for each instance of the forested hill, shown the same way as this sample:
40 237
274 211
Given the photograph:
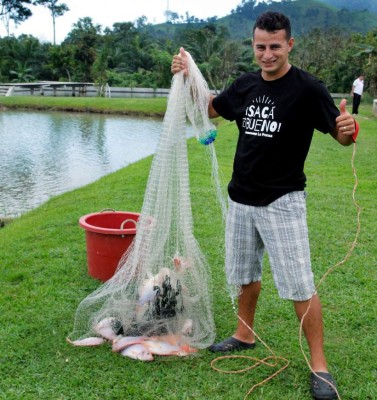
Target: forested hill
305 16
370 5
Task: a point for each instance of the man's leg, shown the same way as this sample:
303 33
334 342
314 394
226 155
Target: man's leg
313 330
247 303
243 337
244 257
358 100
355 103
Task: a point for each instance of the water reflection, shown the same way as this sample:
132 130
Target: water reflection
45 154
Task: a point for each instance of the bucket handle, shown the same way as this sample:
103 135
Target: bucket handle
107 209
125 221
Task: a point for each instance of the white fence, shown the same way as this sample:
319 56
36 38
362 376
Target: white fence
77 89
82 89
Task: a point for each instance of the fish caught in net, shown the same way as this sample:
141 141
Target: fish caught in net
159 299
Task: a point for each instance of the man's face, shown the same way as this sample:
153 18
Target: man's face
271 50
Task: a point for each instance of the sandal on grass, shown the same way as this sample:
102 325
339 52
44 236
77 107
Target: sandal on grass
322 390
230 344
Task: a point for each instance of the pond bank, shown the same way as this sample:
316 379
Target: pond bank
154 107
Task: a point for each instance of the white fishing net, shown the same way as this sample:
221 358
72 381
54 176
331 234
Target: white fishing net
160 292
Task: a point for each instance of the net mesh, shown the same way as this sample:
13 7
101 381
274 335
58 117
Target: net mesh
161 286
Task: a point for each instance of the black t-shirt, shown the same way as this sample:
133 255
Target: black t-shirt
276 120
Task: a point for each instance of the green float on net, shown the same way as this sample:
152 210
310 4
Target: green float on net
209 137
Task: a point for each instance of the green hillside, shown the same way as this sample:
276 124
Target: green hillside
370 5
305 16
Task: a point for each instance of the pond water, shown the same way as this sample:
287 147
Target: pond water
44 154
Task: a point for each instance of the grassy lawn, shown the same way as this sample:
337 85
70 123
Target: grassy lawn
43 277
153 107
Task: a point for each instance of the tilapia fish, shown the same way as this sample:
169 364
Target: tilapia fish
90 341
161 348
137 352
125 341
148 291
105 328
159 345
141 347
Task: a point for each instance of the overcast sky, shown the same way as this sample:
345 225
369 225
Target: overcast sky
107 12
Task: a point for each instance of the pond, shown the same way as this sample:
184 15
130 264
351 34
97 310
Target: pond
44 154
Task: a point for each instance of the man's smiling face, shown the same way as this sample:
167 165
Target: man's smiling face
271 50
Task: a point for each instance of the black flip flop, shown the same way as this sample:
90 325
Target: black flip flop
320 389
230 344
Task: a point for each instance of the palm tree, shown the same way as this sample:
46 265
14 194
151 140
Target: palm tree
56 10
15 10
22 73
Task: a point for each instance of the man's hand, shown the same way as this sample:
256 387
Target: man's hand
179 62
345 125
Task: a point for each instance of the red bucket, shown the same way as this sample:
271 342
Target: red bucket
108 236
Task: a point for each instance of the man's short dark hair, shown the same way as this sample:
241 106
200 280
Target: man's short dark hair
271 21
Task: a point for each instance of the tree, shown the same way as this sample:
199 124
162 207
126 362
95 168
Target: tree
367 51
117 42
22 73
224 66
83 38
322 53
24 56
14 10
60 62
56 10
171 16
217 57
99 71
161 70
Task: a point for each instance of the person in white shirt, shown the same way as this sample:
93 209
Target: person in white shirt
356 93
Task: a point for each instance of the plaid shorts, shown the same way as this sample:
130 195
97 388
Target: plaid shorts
281 229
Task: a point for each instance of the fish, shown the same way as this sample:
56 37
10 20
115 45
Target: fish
137 352
167 346
187 327
125 341
159 345
89 341
105 328
148 291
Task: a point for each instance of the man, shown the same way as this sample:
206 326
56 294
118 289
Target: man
356 93
276 110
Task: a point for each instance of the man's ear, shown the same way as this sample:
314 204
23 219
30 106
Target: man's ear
291 43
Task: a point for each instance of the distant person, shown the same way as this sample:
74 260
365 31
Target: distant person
356 93
276 110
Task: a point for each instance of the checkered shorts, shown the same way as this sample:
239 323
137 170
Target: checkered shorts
281 229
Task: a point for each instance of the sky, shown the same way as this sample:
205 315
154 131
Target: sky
107 12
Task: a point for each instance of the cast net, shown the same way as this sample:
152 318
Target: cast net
160 291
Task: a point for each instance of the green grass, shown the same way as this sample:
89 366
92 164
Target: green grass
154 106
43 277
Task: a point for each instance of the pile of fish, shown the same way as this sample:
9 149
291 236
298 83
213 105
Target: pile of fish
136 347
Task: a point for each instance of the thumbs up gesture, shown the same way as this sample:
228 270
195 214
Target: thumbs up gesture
346 125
